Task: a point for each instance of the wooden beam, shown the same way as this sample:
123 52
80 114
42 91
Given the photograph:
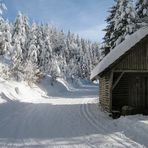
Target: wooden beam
146 49
117 81
110 91
132 71
147 53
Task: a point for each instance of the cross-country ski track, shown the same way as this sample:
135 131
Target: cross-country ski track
37 120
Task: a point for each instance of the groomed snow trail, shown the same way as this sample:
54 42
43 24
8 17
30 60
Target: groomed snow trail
31 119
100 124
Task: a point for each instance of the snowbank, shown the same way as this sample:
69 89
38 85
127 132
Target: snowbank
41 93
67 89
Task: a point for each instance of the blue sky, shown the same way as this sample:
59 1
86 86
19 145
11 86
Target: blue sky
85 17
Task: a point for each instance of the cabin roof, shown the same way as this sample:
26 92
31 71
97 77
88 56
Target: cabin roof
119 51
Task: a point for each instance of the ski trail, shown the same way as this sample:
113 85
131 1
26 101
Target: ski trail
121 139
73 121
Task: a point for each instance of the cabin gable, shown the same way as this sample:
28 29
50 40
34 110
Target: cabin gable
135 60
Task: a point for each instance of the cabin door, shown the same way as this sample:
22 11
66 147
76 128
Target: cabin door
138 88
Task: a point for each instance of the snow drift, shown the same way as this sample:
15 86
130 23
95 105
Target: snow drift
20 91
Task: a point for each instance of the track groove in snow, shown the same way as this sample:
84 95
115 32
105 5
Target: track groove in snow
121 139
31 121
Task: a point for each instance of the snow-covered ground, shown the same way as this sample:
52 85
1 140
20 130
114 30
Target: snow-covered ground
63 116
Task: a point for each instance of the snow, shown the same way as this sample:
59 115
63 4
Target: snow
144 11
119 50
30 117
2 8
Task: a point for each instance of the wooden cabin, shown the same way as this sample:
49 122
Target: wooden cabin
123 76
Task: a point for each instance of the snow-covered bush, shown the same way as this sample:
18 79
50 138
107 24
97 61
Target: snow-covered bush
55 71
5 71
31 73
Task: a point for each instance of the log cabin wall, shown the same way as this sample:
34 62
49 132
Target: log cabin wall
104 92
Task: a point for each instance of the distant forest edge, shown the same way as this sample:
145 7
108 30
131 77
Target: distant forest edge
28 51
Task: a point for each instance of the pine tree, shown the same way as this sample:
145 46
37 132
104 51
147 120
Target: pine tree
32 44
54 70
17 63
2 29
142 11
142 8
43 49
20 33
48 50
7 34
2 9
31 72
125 21
108 39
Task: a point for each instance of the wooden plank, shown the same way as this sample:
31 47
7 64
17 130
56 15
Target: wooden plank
132 71
110 89
117 81
147 49
135 59
105 92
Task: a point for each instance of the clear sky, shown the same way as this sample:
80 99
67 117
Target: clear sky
85 17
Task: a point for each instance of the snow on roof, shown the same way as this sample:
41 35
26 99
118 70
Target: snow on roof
119 50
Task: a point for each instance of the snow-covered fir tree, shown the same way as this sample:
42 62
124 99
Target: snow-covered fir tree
38 49
31 71
2 9
142 11
142 8
32 44
3 26
7 34
125 21
48 50
20 34
108 40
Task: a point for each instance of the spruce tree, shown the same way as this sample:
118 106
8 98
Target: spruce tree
2 29
108 39
20 33
2 9
48 54
7 34
142 8
125 21
43 49
32 43
142 11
